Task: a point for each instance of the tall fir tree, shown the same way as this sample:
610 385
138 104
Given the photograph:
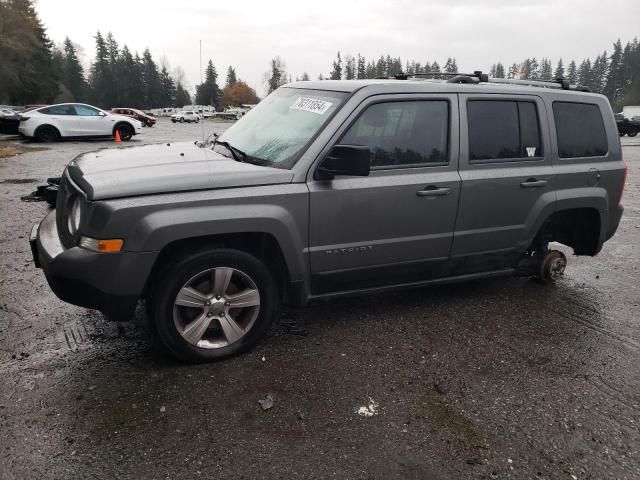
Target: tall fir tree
208 93
231 77
614 84
361 71
559 71
349 67
572 72
336 72
277 74
73 73
153 93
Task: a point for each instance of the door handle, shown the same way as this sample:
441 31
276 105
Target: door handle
433 191
533 183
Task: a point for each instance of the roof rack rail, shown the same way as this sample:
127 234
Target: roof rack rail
478 77
456 77
560 83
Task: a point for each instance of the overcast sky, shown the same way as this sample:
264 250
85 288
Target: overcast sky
307 35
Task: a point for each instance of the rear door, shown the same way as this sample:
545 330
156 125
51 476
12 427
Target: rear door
507 175
63 117
396 225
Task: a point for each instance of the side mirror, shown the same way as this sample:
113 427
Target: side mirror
102 114
353 160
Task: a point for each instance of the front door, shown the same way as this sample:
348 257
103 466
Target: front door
396 225
505 166
92 121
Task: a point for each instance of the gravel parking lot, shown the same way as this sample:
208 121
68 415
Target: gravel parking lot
501 378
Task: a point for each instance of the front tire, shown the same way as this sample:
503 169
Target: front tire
212 304
125 131
182 120
632 133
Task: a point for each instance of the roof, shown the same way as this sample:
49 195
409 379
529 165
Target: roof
419 85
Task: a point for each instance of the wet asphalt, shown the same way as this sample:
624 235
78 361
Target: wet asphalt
502 378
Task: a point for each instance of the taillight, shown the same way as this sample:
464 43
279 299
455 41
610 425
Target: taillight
624 182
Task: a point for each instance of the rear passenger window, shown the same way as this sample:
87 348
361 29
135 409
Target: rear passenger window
503 130
580 130
399 134
58 110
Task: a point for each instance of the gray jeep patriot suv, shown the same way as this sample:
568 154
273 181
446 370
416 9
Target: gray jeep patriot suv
330 188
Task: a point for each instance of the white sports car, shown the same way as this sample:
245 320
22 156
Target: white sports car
53 122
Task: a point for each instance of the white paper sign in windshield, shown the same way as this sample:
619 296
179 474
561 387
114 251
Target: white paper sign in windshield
311 105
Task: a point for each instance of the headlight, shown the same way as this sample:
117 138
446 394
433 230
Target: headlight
74 215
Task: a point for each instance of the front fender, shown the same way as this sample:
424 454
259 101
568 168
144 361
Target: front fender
283 216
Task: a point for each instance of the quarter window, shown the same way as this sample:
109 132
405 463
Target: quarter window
410 133
580 130
503 130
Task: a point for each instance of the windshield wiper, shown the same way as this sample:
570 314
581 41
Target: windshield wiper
238 154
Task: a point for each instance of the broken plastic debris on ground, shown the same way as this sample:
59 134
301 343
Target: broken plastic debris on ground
368 410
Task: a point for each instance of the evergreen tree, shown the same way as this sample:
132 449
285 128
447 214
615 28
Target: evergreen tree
545 69
572 73
381 68
361 71
370 70
614 85
599 73
450 66
349 67
208 93
534 69
168 87
305 77
182 97
231 77
336 73
100 77
499 70
584 73
435 68
559 71
27 72
131 86
276 77
513 71
153 92
72 74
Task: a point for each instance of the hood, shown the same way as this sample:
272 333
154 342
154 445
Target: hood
165 168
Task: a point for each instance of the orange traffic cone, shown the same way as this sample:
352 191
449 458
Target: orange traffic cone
117 137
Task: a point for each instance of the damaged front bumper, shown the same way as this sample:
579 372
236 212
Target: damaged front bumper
109 282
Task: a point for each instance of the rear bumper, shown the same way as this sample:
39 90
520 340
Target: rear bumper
111 283
614 221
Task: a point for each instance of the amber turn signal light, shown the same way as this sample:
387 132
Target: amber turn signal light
111 245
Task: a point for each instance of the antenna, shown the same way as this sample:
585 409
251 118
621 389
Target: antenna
201 106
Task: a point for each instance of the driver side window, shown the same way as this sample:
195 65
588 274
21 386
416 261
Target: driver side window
85 111
403 134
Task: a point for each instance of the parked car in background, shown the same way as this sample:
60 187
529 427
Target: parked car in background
145 119
185 116
48 124
627 126
9 121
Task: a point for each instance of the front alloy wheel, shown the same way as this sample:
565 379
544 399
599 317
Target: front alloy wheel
212 303
216 307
